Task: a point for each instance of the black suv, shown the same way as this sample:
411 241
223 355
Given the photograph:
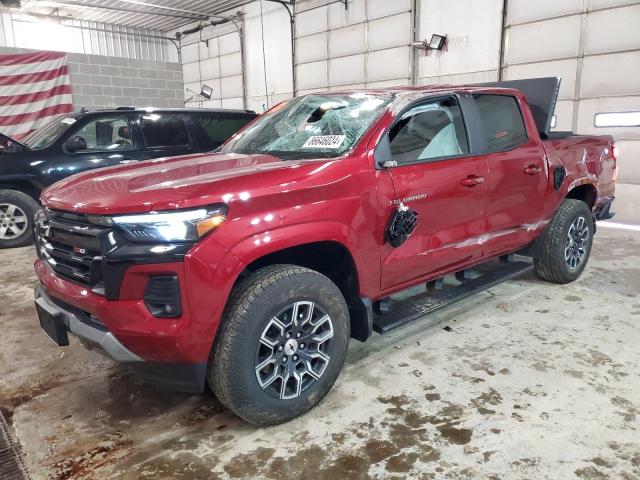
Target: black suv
81 141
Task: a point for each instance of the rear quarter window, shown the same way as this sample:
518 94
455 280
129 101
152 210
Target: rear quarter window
502 121
161 130
221 127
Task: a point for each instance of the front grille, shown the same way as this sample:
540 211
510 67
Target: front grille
70 244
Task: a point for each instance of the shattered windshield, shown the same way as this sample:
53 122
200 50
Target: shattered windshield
311 126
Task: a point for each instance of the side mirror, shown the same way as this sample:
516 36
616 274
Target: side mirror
75 144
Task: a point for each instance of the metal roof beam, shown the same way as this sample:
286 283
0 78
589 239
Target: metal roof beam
69 3
226 5
164 7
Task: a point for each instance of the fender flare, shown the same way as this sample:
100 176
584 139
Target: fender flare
267 242
588 180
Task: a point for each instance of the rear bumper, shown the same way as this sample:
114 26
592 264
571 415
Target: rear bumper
185 377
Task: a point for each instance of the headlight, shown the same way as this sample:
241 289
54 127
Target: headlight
177 226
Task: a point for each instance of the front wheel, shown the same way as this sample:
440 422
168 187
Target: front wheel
281 344
16 218
566 244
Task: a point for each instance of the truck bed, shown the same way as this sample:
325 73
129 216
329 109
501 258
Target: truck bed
585 155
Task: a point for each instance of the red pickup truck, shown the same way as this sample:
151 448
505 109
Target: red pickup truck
249 269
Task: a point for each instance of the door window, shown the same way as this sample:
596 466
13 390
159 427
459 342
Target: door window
502 121
431 130
107 133
164 130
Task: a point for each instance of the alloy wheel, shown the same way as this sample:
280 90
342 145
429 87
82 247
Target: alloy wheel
13 221
292 353
575 249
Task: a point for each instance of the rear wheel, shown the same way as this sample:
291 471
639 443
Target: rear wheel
281 344
16 218
566 244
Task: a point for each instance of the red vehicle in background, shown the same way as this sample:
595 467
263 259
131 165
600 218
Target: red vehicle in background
250 269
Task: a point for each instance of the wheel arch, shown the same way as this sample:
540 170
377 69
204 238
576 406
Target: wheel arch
586 192
331 258
24 185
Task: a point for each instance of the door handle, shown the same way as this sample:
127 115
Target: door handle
471 181
532 170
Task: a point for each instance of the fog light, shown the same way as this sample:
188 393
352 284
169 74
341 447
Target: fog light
162 296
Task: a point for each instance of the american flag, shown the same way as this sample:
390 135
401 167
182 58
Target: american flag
34 88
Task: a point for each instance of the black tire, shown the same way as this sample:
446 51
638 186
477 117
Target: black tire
15 233
254 302
553 265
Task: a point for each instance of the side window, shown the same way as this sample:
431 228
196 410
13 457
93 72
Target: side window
502 121
430 130
164 130
107 133
219 127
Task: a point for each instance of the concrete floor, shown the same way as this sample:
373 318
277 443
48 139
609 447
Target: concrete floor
534 381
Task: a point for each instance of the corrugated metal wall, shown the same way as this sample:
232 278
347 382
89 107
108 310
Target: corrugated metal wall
215 61
267 76
26 31
269 66
473 32
594 45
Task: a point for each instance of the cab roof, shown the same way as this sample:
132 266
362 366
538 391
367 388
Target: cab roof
425 89
540 93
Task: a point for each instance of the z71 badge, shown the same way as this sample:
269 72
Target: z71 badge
408 199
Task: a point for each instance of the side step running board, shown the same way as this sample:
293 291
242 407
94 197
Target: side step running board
401 312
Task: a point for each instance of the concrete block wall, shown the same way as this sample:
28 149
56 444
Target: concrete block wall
102 82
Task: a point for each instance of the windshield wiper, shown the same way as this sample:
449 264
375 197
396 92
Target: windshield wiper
287 154
297 155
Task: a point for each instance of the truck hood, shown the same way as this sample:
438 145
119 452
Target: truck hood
171 183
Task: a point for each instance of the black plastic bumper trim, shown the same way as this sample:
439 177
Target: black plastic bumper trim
178 377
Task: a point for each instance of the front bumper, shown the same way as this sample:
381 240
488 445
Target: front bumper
205 277
184 377
172 352
89 331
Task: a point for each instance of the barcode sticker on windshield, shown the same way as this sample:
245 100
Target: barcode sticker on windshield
324 141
